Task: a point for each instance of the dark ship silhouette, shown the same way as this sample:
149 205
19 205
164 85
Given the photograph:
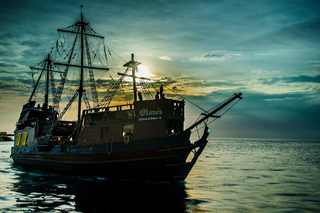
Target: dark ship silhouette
144 140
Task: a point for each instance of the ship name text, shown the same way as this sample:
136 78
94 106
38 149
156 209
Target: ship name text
147 112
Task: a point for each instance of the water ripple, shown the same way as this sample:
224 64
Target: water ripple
233 175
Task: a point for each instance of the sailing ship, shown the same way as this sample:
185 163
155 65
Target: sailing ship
144 139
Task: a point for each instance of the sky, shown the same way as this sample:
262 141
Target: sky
205 50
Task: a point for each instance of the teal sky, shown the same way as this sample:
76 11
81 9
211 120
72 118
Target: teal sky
208 50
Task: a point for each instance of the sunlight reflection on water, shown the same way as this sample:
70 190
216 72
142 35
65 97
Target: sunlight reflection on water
258 175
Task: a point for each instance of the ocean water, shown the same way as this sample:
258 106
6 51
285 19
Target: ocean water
232 175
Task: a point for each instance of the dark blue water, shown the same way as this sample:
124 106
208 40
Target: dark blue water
232 175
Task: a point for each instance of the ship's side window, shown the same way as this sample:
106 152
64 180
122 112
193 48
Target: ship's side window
104 132
173 126
127 130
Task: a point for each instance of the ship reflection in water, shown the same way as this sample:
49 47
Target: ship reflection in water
233 175
54 192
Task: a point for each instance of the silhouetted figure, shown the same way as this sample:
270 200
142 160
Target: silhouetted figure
157 96
140 96
161 92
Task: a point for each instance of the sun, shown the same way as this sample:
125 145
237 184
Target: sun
142 71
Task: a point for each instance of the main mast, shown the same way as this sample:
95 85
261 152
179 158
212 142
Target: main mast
82 31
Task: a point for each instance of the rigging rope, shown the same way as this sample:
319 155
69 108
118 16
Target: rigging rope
206 111
186 99
220 115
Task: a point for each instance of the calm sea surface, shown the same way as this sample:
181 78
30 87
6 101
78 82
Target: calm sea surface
232 175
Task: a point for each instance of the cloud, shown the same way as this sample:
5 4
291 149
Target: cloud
295 79
190 86
303 78
284 115
265 72
279 99
15 87
166 58
294 34
265 54
301 89
315 63
217 56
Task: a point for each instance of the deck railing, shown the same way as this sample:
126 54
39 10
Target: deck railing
111 108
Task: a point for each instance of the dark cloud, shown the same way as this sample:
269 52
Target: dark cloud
101 83
217 55
305 30
303 78
214 55
282 117
15 87
297 35
293 79
6 66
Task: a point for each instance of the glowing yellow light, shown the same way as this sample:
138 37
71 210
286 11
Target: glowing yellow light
143 72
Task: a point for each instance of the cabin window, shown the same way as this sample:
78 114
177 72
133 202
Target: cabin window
127 130
104 132
174 126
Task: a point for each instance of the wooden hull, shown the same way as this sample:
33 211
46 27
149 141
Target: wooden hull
157 160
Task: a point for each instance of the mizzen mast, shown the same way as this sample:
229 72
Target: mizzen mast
133 65
48 68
